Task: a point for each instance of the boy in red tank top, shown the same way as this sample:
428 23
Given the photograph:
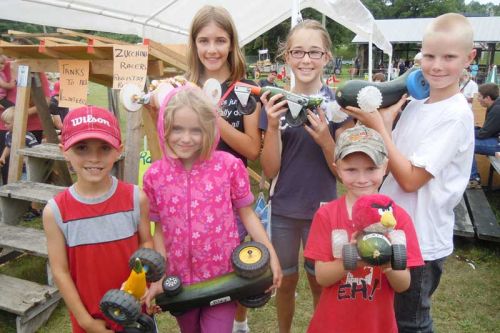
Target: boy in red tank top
94 226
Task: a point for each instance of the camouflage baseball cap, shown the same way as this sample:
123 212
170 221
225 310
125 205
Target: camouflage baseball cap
361 139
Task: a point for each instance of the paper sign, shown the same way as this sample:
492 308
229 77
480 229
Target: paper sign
130 65
74 83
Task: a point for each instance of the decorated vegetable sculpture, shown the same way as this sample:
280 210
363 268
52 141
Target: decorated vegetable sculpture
248 283
370 96
377 242
123 305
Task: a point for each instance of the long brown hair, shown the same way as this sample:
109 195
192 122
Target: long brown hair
221 17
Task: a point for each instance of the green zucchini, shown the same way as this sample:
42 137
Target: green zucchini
347 94
222 289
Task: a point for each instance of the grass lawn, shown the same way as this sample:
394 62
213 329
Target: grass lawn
468 299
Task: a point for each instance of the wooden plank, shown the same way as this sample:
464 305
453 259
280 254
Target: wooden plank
28 240
20 122
30 191
483 218
19 296
89 36
49 151
97 67
463 224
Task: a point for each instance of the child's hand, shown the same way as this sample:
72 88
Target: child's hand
154 289
274 110
97 326
277 273
2 161
318 128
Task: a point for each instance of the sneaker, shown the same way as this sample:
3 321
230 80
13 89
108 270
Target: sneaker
240 327
474 184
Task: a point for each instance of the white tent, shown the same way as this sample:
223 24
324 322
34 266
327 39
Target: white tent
167 21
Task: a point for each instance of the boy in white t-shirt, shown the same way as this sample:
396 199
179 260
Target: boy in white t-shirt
430 153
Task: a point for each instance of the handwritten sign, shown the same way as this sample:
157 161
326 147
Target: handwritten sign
130 65
74 83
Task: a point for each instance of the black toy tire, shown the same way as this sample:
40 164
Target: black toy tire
250 108
256 301
177 313
253 267
172 285
120 306
296 122
153 263
398 258
144 324
350 256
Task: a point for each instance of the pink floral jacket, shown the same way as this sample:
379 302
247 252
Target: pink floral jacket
195 209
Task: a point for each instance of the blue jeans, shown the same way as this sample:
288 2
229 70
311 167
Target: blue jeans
413 307
484 147
286 236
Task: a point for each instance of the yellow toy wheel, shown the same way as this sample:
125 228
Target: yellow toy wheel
250 259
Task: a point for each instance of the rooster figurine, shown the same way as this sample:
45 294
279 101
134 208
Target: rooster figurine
377 241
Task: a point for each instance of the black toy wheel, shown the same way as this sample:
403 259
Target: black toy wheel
249 108
172 285
152 261
144 324
177 313
120 306
256 301
350 256
296 122
250 259
398 258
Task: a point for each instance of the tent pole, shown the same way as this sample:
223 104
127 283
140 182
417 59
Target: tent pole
370 57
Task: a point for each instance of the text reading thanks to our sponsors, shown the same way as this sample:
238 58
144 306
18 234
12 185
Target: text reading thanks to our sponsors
74 82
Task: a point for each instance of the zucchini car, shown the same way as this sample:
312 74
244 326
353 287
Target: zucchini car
373 95
297 104
247 284
377 241
372 247
122 305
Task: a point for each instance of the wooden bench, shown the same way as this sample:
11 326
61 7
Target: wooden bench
494 166
483 218
15 198
31 302
463 225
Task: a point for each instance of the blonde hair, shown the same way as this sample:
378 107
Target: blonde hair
306 24
8 115
454 24
221 17
194 99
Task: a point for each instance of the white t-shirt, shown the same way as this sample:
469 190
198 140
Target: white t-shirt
470 90
438 137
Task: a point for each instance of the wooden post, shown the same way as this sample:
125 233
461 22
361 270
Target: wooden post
133 146
20 122
151 134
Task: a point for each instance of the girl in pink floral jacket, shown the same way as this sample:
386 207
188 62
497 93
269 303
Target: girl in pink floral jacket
192 191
